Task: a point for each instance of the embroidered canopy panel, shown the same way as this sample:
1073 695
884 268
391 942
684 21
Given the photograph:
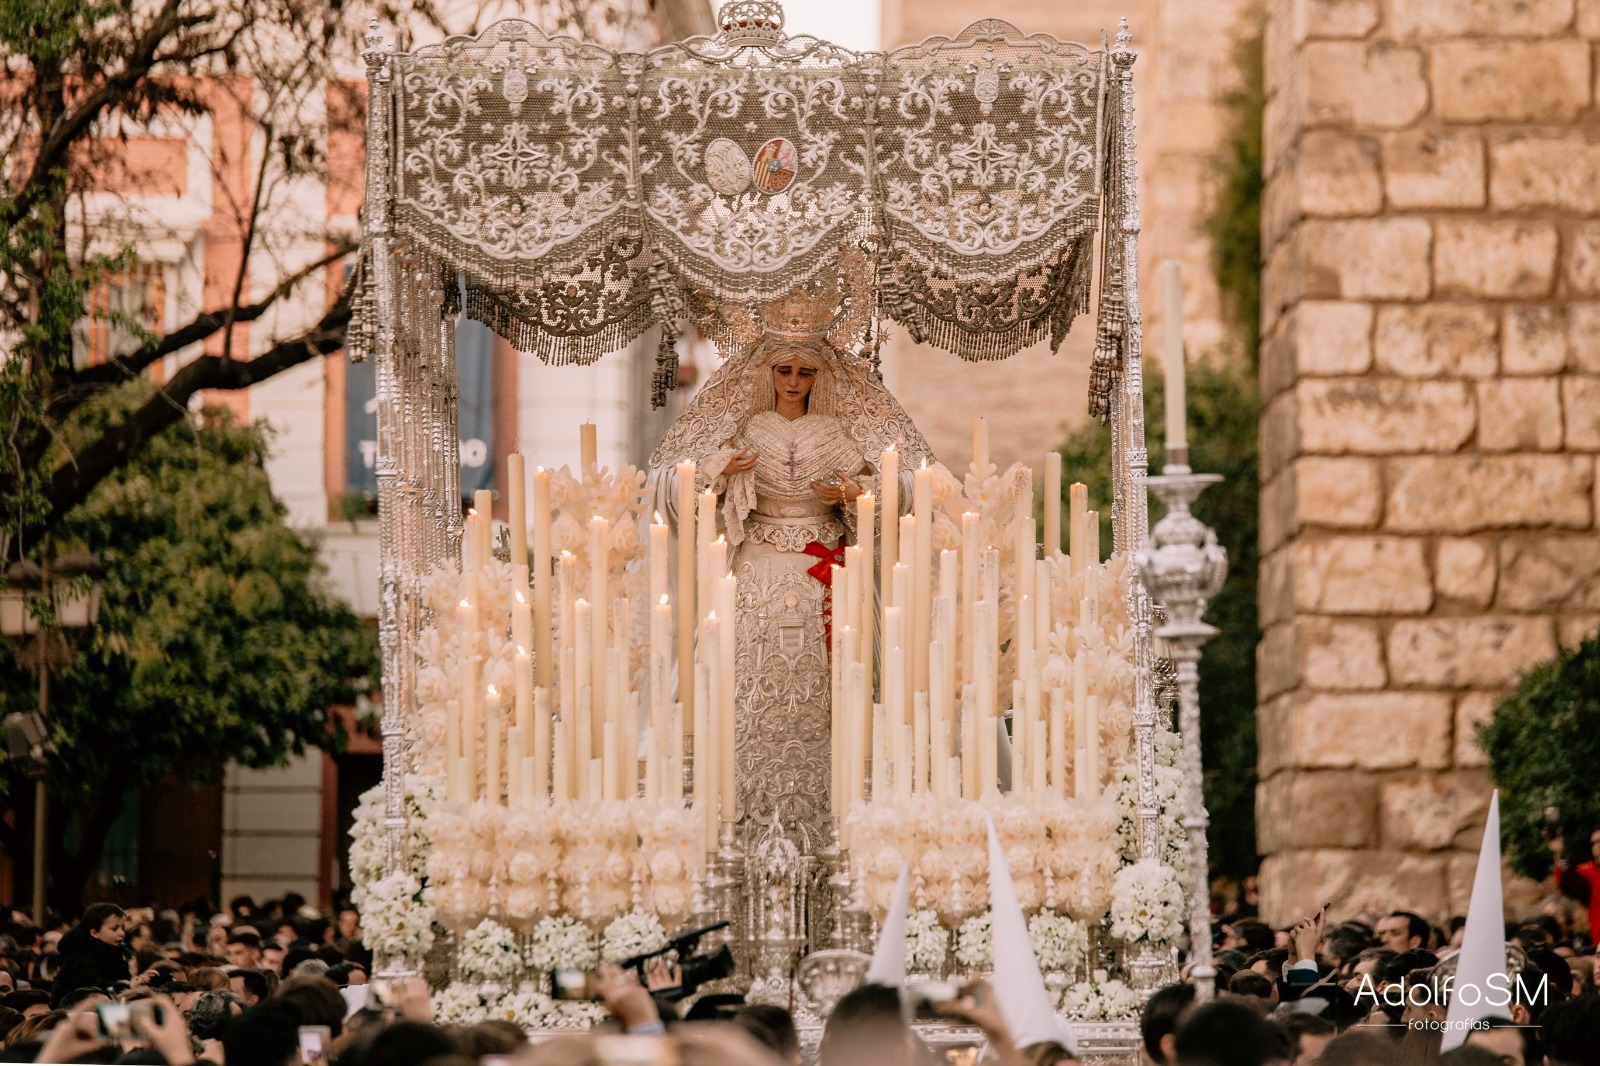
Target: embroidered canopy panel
587 195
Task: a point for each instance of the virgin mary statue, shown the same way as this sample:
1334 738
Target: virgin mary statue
787 432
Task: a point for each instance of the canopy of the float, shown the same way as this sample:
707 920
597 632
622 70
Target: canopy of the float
587 196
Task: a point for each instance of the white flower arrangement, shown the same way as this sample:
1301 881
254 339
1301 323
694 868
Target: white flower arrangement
462 1003
562 942
489 952
366 832
396 917
468 1004
1100 999
926 942
1147 903
635 933
975 943
1059 943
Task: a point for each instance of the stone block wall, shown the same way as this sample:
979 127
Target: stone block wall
1431 422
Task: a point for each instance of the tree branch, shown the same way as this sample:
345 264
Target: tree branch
73 390
74 479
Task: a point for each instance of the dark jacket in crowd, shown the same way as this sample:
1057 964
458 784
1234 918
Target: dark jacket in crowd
87 963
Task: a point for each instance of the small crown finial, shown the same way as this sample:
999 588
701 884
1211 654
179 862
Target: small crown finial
751 21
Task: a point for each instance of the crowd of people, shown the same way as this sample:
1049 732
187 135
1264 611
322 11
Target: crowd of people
283 985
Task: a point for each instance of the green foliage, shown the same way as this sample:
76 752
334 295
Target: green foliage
1543 743
216 641
1235 220
1223 412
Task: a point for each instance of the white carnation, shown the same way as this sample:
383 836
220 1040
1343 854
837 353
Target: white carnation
1147 903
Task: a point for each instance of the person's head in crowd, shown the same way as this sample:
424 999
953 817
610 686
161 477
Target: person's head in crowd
285 931
106 923
1401 931
316 931
317 999
773 1028
9 1020
140 937
1555 967
309 968
1270 963
494 1037
241 908
1159 1021
349 924
1530 935
1335 1003
81 999
209 979
1308 1033
173 951
1343 943
1251 936
267 1034
272 954
27 1001
404 1043
1366 970
1229 1032
211 1013
244 949
1360 1047
868 1026
1570 1032
294 957
1470 1055
249 985
1506 1039
1558 910
35 1024
1407 963
50 940
1247 984
8 981
1456 929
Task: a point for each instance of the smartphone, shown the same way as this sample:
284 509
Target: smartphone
574 984
314 1040
381 994
116 1021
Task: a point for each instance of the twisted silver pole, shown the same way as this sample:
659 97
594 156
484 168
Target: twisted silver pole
1184 567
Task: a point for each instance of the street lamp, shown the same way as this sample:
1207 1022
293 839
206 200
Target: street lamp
75 606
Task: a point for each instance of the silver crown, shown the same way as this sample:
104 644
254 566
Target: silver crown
751 22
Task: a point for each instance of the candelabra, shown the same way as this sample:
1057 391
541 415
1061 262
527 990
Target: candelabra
1183 567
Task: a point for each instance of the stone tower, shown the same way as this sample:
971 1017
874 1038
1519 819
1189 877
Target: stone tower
1431 387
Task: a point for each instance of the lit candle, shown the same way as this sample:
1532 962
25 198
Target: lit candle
1026 544
893 667
919 742
836 745
861 740
703 793
514 742
522 695
543 655
686 589
1172 357
469 542
1079 497
1093 745
1058 739
583 687
902 599
1052 503
483 503
588 450
940 760
1037 766
726 737
610 766
658 559
866 512
980 443
921 573
599 597
902 761
1091 538
1080 721
491 746
969 741
660 658
674 765
889 481
517 508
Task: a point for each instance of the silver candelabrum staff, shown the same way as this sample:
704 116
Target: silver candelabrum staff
1183 567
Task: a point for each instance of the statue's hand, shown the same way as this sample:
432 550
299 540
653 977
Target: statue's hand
846 490
743 461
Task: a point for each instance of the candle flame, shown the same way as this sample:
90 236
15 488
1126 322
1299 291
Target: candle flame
665 599
521 598
521 650
472 512
582 601
465 602
565 554
712 617
659 520
890 448
493 691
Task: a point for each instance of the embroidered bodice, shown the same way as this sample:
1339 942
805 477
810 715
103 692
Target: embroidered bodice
790 454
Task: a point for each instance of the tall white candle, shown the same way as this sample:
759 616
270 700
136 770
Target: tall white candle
970 561
980 442
583 662
517 508
1079 503
543 653
452 750
1092 730
522 696
610 772
889 553
1026 544
866 519
1038 767
893 667
920 741
588 450
1052 503
491 778
599 618
514 758
659 559
902 599
541 742
483 503
561 768
687 618
1091 538
1059 741
1172 354
922 573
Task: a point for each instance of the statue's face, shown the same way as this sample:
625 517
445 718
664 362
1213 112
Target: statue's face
792 380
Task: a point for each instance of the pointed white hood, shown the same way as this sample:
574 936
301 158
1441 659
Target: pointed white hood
889 957
1483 944
1019 989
